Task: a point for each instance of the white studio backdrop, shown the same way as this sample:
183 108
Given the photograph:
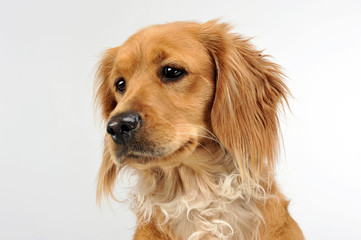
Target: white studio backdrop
50 139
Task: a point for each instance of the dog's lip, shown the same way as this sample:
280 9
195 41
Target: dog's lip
121 153
126 152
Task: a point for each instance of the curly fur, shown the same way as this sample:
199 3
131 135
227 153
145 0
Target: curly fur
213 135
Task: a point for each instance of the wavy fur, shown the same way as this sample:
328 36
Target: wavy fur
219 131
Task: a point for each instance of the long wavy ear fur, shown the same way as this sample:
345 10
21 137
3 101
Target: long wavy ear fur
105 101
107 175
249 89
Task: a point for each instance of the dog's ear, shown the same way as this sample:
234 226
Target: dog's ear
107 175
249 89
104 98
105 101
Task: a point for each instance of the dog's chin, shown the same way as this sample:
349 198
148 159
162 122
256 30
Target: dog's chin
138 157
127 154
131 155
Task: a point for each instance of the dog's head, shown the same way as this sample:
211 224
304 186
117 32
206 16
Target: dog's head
170 88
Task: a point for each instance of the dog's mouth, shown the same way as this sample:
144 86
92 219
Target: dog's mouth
141 152
146 152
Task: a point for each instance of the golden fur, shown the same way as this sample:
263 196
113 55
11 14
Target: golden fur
209 140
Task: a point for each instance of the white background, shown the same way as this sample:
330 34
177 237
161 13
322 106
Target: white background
50 140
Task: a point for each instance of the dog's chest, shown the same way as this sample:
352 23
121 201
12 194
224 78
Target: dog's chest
208 220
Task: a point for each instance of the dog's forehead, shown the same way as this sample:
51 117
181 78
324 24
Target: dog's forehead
162 41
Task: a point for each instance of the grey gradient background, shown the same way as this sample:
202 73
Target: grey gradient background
50 139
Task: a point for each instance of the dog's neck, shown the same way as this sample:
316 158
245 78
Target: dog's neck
201 197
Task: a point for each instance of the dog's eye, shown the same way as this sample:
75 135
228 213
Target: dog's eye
120 85
172 73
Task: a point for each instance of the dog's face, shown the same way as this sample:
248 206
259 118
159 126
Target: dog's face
161 84
170 88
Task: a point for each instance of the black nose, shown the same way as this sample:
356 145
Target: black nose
122 127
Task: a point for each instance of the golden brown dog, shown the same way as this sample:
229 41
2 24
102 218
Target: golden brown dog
192 108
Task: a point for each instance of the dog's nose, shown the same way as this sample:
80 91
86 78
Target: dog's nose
122 127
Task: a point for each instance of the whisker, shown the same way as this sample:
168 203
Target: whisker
199 135
191 124
198 126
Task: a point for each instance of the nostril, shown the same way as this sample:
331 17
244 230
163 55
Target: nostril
110 130
125 128
112 126
122 127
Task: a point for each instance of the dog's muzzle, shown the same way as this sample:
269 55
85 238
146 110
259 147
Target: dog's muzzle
122 127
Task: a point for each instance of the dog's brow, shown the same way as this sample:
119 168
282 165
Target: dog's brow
125 62
159 56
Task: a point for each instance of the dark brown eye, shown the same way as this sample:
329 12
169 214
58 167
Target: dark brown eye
172 73
120 85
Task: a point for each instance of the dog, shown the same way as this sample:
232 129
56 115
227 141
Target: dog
192 109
